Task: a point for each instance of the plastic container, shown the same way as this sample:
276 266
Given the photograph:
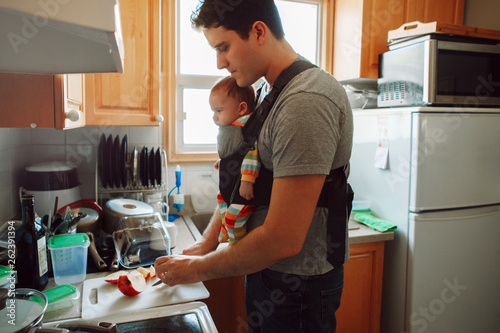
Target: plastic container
69 257
61 297
141 239
361 205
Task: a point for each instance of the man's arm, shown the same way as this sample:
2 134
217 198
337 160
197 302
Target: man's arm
210 238
293 202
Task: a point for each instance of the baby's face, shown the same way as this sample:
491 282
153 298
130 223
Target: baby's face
226 109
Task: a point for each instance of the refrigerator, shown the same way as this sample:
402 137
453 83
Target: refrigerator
435 173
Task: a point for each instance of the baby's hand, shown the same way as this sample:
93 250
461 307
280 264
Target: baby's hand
246 189
216 165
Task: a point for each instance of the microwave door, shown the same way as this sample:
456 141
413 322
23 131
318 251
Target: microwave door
467 75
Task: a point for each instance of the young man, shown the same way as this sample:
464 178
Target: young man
292 285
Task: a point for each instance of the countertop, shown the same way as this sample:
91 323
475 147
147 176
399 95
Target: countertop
184 240
358 234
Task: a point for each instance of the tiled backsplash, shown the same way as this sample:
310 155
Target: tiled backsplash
22 147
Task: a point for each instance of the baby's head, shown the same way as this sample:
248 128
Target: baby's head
228 101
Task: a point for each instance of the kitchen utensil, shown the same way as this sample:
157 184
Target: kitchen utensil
74 222
69 257
100 161
157 283
107 161
123 161
27 311
115 209
48 180
115 162
134 174
143 165
152 167
94 215
101 299
101 265
158 167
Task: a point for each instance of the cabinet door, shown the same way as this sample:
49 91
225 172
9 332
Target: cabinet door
131 98
26 100
360 306
360 35
445 11
69 92
361 27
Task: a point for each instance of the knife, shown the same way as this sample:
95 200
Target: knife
157 283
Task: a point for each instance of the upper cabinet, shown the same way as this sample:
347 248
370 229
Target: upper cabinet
131 98
42 101
360 30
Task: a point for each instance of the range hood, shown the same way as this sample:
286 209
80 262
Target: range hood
60 36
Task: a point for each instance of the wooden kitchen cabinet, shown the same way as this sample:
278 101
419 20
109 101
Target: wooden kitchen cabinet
360 30
131 98
227 304
42 101
360 307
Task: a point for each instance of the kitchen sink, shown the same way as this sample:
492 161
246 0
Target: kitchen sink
197 223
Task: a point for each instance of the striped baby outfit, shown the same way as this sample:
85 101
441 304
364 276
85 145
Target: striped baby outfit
235 216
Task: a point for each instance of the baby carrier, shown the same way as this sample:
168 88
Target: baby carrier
336 194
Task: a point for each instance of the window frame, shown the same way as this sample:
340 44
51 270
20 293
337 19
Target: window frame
169 106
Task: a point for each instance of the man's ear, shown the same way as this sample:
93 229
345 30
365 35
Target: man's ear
242 108
260 30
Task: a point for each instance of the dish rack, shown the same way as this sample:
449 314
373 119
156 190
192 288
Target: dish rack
124 174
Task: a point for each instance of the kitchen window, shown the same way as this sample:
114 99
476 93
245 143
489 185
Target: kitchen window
191 135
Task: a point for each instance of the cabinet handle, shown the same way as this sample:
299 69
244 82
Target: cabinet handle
73 115
159 118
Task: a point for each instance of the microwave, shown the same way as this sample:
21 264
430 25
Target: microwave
440 70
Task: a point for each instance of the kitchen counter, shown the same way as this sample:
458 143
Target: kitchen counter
184 240
358 234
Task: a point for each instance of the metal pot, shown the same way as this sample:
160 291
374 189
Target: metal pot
21 309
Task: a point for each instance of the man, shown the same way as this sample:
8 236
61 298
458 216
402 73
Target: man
292 285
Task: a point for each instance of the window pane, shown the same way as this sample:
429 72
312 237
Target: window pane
195 54
199 128
300 22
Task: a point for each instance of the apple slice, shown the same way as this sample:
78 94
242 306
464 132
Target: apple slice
144 271
132 284
152 271
113 277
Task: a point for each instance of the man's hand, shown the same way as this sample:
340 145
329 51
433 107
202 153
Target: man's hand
177 269
246 190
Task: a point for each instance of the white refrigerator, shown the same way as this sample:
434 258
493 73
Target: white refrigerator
435 173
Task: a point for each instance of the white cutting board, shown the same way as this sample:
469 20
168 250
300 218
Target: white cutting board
101 299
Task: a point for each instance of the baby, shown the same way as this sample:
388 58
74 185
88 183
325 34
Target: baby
232 106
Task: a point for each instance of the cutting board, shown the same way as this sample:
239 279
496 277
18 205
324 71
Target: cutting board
101 299
418 28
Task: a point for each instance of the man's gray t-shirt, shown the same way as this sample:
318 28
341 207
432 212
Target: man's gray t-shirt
308 131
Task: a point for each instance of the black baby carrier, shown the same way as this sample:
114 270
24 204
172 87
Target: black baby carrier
336 194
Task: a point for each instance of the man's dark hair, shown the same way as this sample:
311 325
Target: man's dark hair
238 15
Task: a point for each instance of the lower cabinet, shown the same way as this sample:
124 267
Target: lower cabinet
359 310
361 299
227 304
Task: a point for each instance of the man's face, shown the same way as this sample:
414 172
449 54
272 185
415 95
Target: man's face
238 56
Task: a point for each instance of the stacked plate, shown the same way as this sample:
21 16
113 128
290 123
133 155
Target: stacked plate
118 169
